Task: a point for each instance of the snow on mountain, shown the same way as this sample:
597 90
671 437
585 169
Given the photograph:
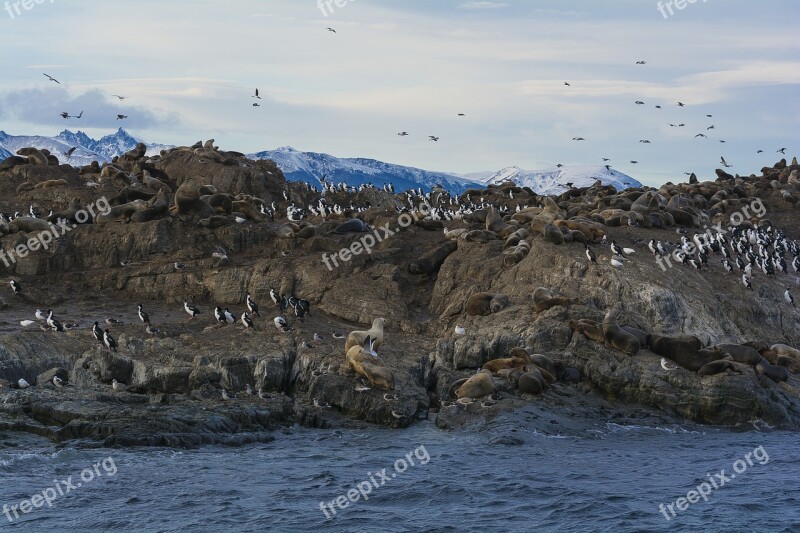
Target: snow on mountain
554 180
4 154
87 149
311 167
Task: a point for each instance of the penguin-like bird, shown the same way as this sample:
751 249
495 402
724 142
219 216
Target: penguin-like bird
109 341
246 321
788 297
192 310
590 255
252 306
281 324
15 286
144 317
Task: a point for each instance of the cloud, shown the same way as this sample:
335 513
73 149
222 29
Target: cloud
44 106
482 5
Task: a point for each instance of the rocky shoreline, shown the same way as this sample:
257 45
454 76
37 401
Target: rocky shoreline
423 278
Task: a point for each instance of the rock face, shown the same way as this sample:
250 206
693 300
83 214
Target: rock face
514 276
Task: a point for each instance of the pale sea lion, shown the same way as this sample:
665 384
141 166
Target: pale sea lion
356 338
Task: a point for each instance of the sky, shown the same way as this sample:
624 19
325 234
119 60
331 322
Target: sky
189 69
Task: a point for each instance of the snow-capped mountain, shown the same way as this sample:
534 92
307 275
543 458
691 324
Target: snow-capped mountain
87 149
4 154
554 180
311 166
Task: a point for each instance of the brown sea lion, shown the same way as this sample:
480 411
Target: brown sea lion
741 354
495 365
544 305
717 367
531 382
477 386
589 329
773 372
685 350
618 338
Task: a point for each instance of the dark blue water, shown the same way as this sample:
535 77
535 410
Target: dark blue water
609 479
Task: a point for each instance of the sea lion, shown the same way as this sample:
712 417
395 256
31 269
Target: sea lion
741 354
431 261
496 365
221 202
477 386
354 225
716 367
13 161
541 294
544 362
356 338
451 391
306 232
773 372
589 329
553 234
28 224
785 349
157 207
478 304
287 230
791 364
188 201
120 213
618 338
685 350
35 156
531 382
498 303
553 302
245 207
372 367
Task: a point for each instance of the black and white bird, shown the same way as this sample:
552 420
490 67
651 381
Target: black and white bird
246 321
788 297
192 310
144 317
218 314
590 255
276 298
747 282
97 332
15 286
615 249
58 382
252 306
109 341
281 324
54 324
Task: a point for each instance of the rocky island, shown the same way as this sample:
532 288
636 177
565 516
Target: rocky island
675 302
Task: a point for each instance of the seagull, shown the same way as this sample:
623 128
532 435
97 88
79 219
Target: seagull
178 266
433 138
262 395
641 62
71 151
220 253
680 104
256 95
617 261
331 29
22 383
567 84
639 102
645 141
760 151
225 395
724 163
40 315
460 330
667 366
64 115
711 127
700 135
118 387
403 133
113 322
119 96
58 382
121 117
788 297
462 115
49 77
27 323
318 337
578 139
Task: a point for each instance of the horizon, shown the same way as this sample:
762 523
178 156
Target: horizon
502 64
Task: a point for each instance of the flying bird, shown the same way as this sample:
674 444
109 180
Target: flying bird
578 139
64 115
119 96
49 77
121 117
634 162
639 102
256 95
680 104
433 138
462 115
781 151
331 29
700 135
403 133
641 62
71 151
724 163
567 84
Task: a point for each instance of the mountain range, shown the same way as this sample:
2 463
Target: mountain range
312 167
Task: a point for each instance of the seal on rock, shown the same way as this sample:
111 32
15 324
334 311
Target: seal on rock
477 386
618 338
485 303
717 367
361 360
589 329
741 354
773 372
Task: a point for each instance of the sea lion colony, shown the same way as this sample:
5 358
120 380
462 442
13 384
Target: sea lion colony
598 238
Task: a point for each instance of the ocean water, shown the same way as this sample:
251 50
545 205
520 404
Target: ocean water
502 478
